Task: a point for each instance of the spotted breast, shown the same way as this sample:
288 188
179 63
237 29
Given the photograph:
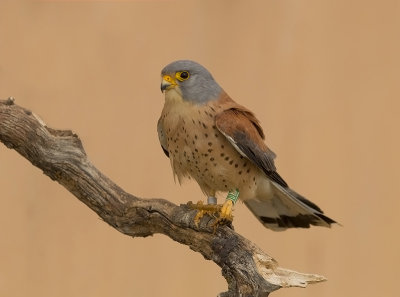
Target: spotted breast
198 150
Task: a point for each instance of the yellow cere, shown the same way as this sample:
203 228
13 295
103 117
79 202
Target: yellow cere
169 79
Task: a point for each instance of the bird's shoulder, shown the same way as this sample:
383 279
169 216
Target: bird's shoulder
234 118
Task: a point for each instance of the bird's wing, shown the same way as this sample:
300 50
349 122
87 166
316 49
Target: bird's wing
242 129
161 137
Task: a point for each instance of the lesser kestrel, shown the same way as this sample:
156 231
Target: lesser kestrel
220 144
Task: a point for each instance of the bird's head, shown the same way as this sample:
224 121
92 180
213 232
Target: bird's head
190 81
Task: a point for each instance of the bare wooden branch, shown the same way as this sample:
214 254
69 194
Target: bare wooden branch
61 156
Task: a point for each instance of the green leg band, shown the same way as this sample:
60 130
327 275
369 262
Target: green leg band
233 196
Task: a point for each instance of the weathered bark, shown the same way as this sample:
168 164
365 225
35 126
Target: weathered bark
60 154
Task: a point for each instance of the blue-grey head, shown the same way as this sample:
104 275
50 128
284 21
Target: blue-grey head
191 81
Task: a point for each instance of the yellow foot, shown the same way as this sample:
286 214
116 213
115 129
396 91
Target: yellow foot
222 213
210 209
226 211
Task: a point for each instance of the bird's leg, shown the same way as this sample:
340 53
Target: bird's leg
211 200
222 213
227 207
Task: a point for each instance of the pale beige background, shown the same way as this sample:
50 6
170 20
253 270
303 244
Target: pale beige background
322 76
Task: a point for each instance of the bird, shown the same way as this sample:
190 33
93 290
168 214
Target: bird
220 144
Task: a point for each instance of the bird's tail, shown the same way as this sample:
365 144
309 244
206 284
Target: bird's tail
279 208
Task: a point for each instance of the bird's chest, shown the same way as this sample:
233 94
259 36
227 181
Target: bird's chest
191 136
198 150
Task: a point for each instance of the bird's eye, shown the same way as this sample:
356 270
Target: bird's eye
182 75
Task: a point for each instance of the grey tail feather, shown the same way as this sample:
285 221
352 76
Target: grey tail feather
284 208
316 208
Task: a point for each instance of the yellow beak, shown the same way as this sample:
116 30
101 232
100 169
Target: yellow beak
167 82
